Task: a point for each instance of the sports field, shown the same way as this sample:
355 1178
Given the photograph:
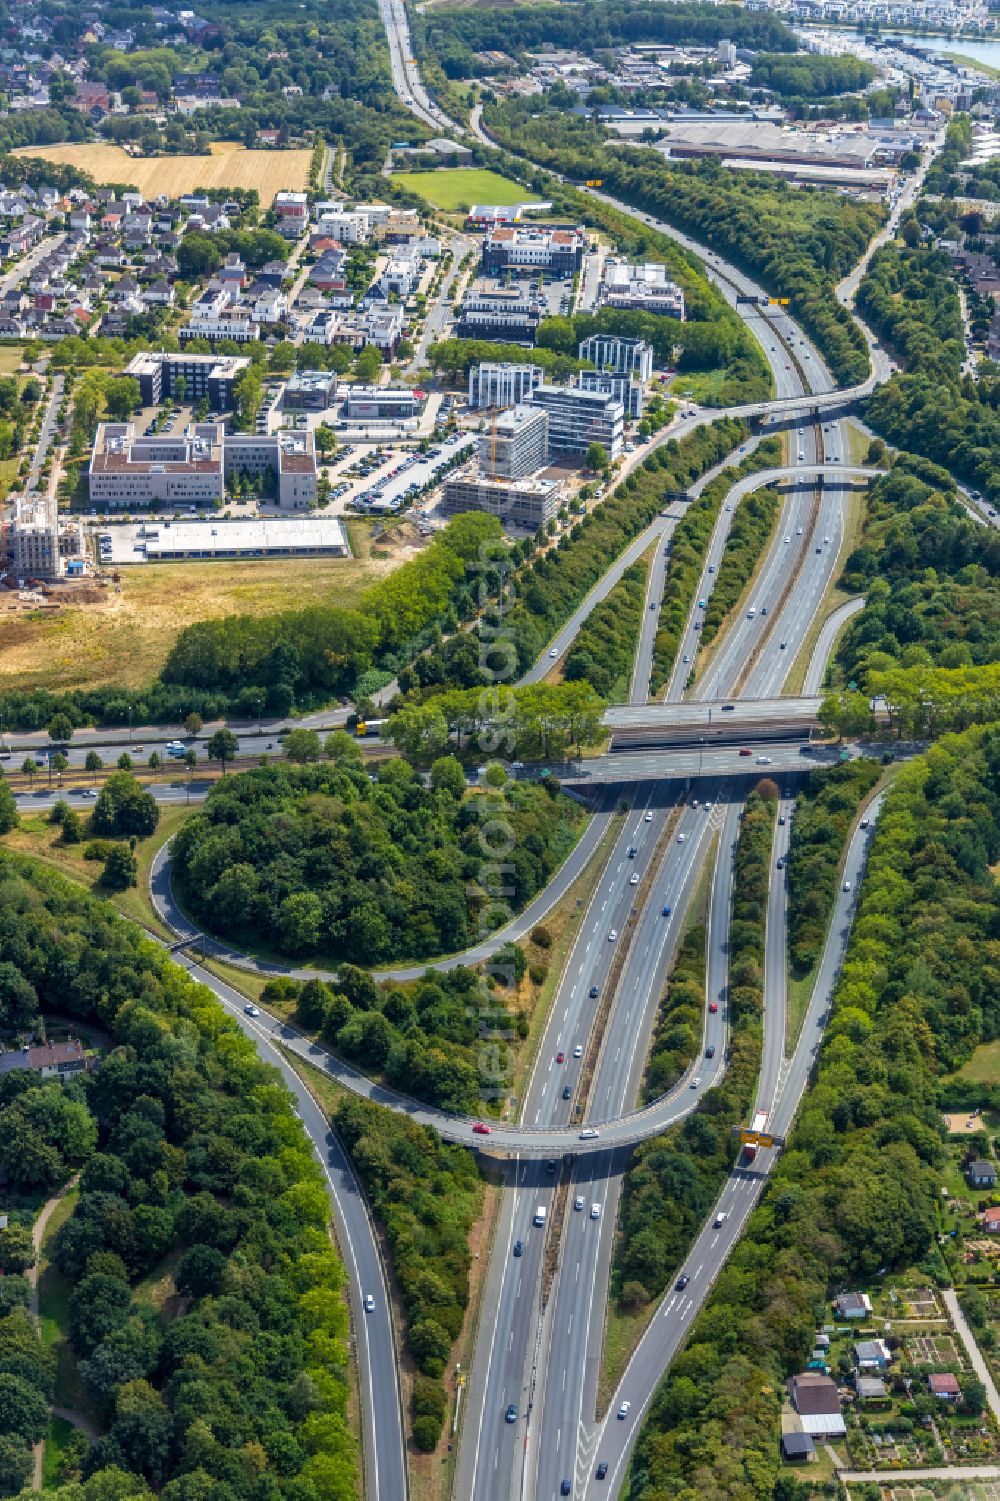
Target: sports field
457 188
229 166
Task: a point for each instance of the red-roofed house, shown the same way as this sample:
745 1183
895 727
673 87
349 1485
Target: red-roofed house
944 1385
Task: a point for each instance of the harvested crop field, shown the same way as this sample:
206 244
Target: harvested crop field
229 166
125 637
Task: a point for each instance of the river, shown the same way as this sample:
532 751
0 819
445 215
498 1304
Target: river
980 52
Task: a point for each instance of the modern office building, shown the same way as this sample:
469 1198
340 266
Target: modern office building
382 403
192 468
622 387
310 391
512 247
645 288
516 443
502 385
210 375
621 356
524 504
512 317
578 418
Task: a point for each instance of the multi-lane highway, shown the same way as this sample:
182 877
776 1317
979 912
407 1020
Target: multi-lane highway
613 1438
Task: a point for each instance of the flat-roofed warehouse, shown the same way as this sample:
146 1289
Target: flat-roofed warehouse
252 537
760 141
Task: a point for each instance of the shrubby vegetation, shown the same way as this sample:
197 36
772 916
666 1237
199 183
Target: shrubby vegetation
687 556
316 859
798 245
855 1189
749 534
604 650
322 650
427 1194
675 1178
193 1166
824 813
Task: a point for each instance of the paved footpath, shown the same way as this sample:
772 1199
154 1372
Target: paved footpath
972 1350
940 1472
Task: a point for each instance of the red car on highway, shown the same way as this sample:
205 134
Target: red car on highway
480 1130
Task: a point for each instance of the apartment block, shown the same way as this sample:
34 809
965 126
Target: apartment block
292 213
523 504
621 356
578 418
235 323
502 385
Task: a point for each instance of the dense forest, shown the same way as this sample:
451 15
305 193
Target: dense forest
674 1179
798 244
452 37
422 1037
193 1168
929 635
537 722
855 1189
319 860
910 296
810 75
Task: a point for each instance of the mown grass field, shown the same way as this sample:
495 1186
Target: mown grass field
229 166
125 637
457 188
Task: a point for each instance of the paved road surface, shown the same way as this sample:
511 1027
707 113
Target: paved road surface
823 650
